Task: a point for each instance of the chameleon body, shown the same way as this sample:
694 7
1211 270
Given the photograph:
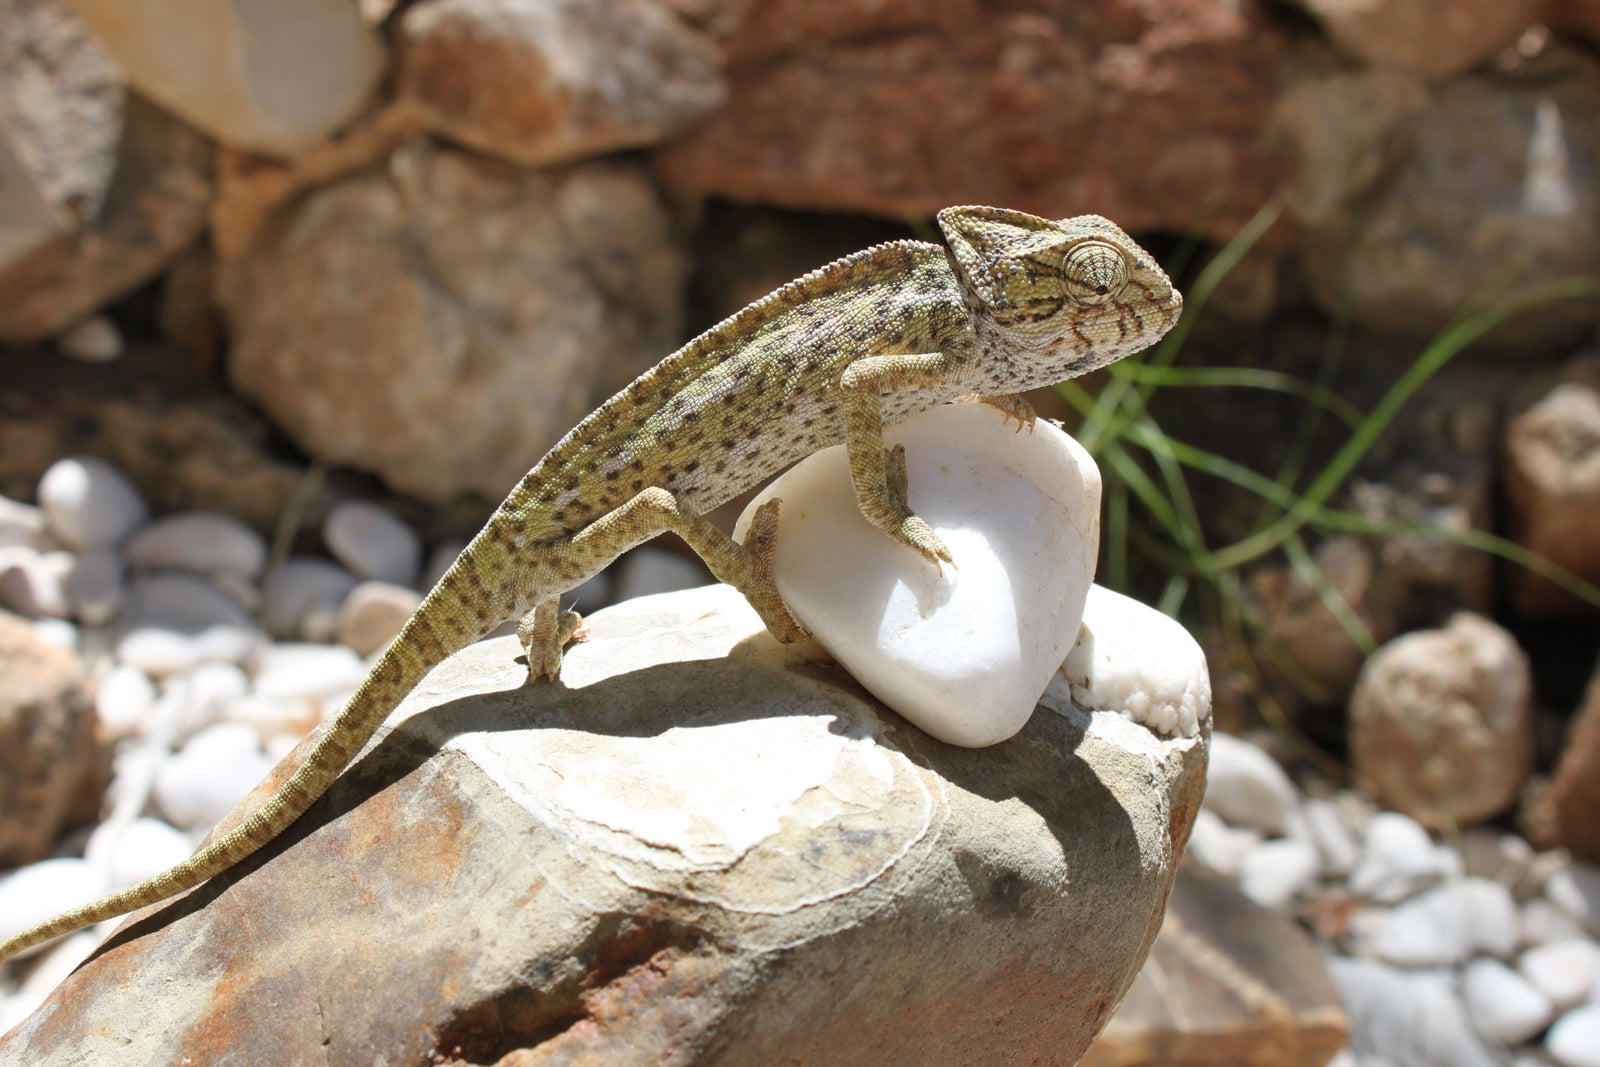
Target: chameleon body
1015 302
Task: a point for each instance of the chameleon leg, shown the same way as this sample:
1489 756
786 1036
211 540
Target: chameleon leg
877 472
546 627
1012 405
746 567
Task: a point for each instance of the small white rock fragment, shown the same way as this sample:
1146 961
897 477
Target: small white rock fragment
123 700
1156 674
175 620
1218 845
303 596
94 340
1504 857
1274 872
1397 859
1327 829
35 583
373 542
1574 1040
373 614
212 773
138 850
89 502
205 541
23 526
202 695
1450 924
58 632
1565 971
964 652
1503 1005
95 587
43 890
1405 1019
286 671
1575 889
1247 787
1543 923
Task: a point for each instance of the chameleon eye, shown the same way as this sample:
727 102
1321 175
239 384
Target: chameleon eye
1094 272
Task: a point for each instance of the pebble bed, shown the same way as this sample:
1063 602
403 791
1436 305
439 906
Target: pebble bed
210 667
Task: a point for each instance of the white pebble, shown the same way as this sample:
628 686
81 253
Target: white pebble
204 541
94 340
275 717
90 503
373 614
285 671
22 526
1495 854
95 587
1450 924
373 542
1397 859
1409 1020
35 583
58 632
43 890
1565 971
1133 660
210 775
1327 829
174 621
1575 889
1574 1040
1246 786
1218 845
138 850
203 694
964 652
648 570
123 700
1504 1005
1543 922
1275 872
303 596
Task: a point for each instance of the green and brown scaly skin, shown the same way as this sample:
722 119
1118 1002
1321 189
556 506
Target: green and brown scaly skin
1014 303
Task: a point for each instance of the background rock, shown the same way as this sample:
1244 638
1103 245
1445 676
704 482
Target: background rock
1566 813
1425 36
1552 476
443 322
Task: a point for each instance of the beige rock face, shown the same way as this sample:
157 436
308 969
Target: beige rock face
263 75
444 320
701 848
1552 477
52 765
1564 813
1146 113
1436 38
542 82
1441 722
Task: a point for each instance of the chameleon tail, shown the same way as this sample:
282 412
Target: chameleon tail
456 613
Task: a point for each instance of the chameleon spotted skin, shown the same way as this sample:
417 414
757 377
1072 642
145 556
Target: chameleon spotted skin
1015 302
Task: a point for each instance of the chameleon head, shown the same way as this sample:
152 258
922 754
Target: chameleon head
1062 296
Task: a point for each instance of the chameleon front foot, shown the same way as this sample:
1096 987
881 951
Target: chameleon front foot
900 522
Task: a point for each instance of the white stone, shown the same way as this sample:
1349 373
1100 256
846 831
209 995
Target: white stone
1397 859
204 541
1565 971
140 849
275 718
1495 854
1574 1040
1410 1020
1246 786
89 502
211 774
1327 830
43 890
203 695
648 570
963 651
123 700
303 596
1133 660
35 583
58 632
1502 1004
1218 845
175 620
1575 889
373 614
94 340
1543 923
373 542
1450 924
1274 872
23 526
95 586
265 77
285 671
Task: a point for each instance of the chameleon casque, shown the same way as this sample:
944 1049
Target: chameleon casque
1014 303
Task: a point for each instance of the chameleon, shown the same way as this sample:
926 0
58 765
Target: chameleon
1011 302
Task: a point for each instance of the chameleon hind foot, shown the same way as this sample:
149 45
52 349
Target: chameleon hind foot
545 632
